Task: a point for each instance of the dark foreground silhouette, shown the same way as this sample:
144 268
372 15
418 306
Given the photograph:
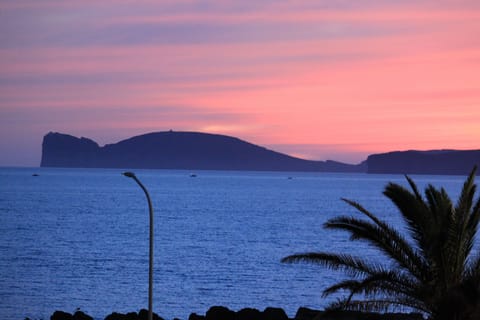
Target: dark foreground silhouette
434 268
223 313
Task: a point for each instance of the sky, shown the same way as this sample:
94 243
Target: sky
320 80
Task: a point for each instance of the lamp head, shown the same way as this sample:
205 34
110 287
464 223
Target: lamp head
129 174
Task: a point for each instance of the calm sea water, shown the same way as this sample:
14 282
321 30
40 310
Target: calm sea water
78 238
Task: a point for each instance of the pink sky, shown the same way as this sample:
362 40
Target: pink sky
316 79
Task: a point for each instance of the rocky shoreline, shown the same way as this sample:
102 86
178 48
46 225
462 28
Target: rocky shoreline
223 313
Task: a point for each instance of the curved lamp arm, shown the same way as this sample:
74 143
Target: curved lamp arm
150 264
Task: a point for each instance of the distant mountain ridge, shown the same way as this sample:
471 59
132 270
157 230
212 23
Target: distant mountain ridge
454 162
203 151
177 150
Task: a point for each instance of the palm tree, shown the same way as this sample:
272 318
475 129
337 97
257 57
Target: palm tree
426 270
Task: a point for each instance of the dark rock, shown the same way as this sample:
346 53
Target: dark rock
220 313
120 316
143 315
60 315
403 316
131 316
347 315
248 314
357 315
274 314
194 316
306 314
80 315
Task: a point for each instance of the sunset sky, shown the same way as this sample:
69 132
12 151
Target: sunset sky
315 79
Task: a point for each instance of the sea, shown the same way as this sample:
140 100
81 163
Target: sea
77 239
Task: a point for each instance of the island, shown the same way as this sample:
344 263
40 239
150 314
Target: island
204 151
452 162
177 150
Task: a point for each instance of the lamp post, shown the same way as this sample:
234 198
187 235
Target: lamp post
150 262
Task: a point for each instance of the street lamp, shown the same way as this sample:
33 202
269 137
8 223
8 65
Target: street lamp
150 263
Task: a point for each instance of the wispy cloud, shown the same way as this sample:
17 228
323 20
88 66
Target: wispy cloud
370 75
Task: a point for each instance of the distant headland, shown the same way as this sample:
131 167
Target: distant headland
203 151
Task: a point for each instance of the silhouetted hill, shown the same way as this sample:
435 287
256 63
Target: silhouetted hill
177 150
202 151
454 162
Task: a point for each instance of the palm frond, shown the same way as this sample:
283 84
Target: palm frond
353 266
349 285
413 210
414 188
473 269
382 236
360 305
467 194
384 283
462 227
439 204
374 305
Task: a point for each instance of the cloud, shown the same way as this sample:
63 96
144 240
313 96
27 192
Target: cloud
376 75
145 22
